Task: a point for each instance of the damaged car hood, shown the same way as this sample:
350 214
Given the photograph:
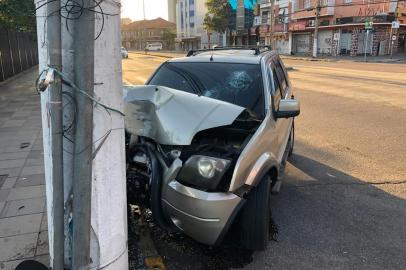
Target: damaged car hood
173 117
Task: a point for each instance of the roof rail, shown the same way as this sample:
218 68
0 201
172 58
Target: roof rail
258 49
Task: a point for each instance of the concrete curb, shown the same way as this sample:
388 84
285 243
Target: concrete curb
15 77
157 55
310 59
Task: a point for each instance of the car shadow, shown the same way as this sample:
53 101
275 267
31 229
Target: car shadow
323 218
328 219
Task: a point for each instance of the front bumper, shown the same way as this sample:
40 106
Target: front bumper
205 216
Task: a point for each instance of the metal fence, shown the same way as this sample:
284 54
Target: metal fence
18 52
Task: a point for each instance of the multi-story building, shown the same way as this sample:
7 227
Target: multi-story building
342 27
191 34
189 26
172 11
138 34
245 31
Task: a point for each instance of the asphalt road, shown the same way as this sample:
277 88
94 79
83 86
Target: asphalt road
343 202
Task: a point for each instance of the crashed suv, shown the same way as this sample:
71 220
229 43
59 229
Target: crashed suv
207 140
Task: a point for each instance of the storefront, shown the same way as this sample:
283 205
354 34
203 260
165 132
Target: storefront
263 34
325 42
282 43
345 41
301 43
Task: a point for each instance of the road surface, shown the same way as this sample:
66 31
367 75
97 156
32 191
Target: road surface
343 202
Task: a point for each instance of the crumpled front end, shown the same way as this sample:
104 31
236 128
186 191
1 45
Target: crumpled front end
182 149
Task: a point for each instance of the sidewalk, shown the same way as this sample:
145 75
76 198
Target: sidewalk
23 221
399 58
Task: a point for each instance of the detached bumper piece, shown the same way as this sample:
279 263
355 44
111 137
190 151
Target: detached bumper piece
205 216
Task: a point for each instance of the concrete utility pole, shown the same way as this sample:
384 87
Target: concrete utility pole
82 174
316 28
272 21
109 200
54 129
103 240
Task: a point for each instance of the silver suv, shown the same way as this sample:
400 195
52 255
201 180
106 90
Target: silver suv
207 140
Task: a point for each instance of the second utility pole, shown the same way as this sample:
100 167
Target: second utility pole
54 158
316 29
82 175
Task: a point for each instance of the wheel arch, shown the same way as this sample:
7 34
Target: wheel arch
265 164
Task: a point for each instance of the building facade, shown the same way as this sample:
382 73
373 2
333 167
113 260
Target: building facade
243 27
172 11
341 27
138 34
189 26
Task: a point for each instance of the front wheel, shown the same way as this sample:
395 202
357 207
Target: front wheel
255 217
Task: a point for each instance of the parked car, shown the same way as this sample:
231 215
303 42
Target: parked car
154 46
124 52
207 141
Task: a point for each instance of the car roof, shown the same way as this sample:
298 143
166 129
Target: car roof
243 56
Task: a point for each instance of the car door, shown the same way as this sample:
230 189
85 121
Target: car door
281 90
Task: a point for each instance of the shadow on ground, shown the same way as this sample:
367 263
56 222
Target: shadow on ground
327 219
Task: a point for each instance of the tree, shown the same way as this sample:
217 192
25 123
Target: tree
218 15
168 36
18 15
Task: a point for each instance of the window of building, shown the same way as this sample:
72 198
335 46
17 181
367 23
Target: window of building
347 1
191 13
264 19
307 4
192 25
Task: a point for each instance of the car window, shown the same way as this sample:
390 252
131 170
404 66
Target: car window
276 95
171 78
239 84
284 71
281 78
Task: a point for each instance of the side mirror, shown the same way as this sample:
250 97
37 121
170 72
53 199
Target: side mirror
288 108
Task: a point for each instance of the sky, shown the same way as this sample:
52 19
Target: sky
153 9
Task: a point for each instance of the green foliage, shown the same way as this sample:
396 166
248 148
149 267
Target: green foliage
217 16
18 15
168 36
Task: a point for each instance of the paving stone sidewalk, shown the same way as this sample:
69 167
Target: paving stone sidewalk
23 221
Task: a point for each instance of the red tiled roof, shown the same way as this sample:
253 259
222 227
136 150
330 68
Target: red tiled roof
157 23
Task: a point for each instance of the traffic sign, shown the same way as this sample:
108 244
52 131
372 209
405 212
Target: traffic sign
369 25
394 37
336 36
395 24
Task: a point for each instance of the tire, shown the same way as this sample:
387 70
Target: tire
255 217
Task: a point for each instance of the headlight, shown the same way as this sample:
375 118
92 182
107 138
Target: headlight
203 171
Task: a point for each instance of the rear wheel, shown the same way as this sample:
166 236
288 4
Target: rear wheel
255 217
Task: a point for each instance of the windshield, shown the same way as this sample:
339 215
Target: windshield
240 84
